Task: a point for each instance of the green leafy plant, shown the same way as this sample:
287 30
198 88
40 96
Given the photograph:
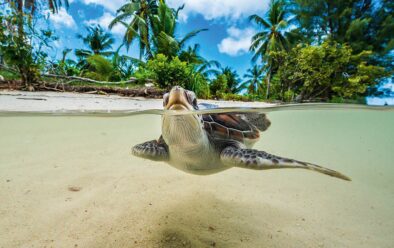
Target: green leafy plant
326 71
99 68
219 85
166 72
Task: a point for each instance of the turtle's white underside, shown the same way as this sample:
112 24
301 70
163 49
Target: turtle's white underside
189 147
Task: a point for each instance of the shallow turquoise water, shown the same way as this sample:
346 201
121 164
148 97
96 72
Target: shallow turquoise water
125 201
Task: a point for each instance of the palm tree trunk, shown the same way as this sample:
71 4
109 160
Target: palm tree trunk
28 75
148 48
21 40
268 83
20 19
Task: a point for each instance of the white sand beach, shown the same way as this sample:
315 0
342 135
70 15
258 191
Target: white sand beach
54 101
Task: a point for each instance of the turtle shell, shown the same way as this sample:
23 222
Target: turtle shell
230 126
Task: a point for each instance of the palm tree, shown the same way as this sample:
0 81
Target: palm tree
232 80
254 76
98 41
164 27
273 37
64 66
191 56
30 7
23 55
124 64
140 13
99 68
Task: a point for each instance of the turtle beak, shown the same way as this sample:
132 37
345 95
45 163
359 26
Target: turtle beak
177 100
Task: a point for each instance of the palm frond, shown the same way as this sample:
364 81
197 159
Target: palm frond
190 35
260 21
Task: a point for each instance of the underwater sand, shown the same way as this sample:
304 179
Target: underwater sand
71 182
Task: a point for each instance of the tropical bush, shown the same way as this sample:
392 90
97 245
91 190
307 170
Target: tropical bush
325 71
15 49
166 72
98 68
198 83
233 97
219 85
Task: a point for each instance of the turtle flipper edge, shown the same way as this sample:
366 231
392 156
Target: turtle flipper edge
154 150
260 160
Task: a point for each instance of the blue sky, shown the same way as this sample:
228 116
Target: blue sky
226 41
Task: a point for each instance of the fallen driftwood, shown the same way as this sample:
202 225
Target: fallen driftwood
88 80
149 92
76 78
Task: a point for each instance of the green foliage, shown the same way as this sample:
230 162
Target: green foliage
364 25
219 85
254 84
233 81
166 72
275 36
15 49
154 24
99 68
137 16
325 71
164 26
98 41
233 97
21 42
356 100
191 56
9 75
32 5
288 96
198 83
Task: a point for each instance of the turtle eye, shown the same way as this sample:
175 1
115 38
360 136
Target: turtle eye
191 98
165 99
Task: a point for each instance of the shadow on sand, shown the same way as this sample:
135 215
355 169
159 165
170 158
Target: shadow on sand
206 221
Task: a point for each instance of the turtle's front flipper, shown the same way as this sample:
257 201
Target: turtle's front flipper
259 160
153 150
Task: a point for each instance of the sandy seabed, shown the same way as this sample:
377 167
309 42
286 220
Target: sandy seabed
71 182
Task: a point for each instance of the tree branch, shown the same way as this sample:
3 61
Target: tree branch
6 68
88 80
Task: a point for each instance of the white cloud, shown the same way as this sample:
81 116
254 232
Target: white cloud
105 20
209 9
62 18
238 41
214 9
111 5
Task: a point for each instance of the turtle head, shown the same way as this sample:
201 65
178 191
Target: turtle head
183 129
180 99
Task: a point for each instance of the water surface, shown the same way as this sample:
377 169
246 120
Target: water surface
69 180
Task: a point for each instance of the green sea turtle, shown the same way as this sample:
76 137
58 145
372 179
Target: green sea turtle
209 143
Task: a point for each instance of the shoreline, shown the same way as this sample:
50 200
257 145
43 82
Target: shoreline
48 101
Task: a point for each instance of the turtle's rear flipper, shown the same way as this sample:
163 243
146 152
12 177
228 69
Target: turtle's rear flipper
260 120
259 160
154 150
